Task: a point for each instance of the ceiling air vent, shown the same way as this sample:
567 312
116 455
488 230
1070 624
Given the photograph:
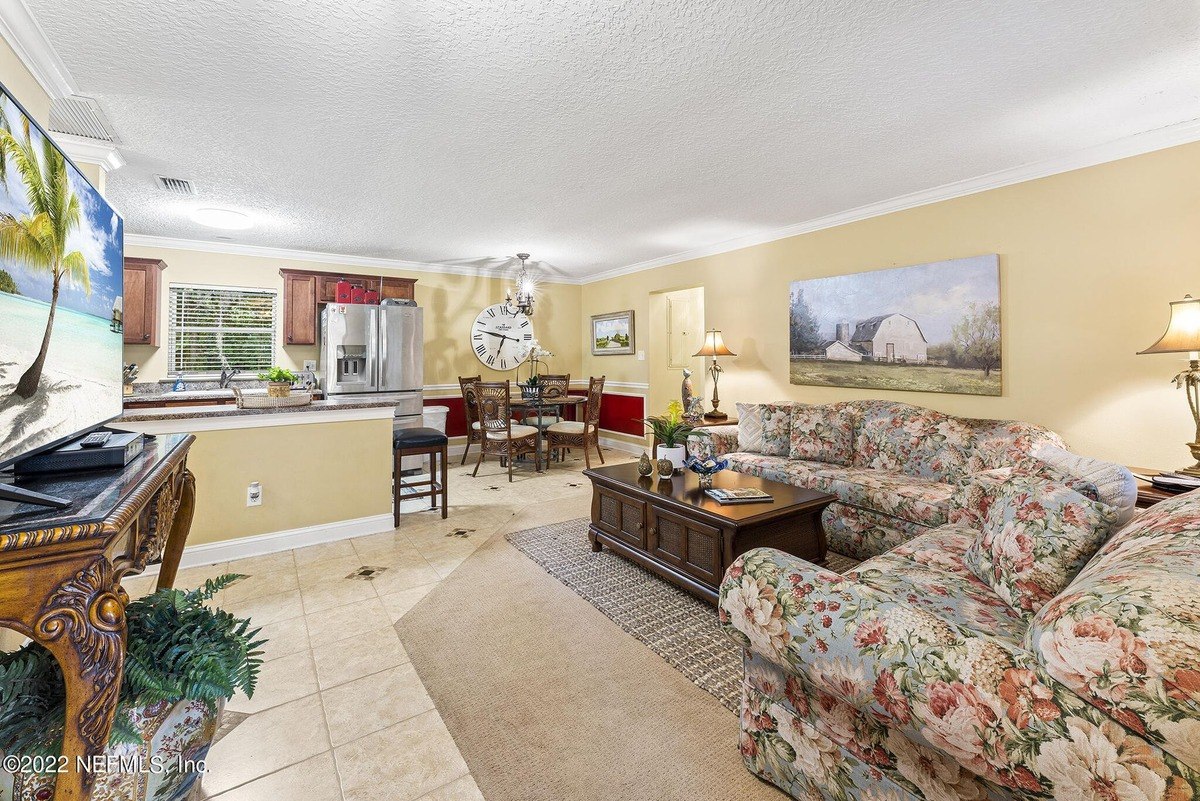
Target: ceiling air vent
176 186
80 116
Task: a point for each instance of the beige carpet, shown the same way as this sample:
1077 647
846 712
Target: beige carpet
549 699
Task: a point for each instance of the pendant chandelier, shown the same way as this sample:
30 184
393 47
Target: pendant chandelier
524 299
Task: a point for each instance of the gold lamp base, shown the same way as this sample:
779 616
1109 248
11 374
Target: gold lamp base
1194 470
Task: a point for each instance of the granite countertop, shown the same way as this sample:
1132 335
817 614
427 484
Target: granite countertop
336 403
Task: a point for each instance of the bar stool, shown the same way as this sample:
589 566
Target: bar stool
419 442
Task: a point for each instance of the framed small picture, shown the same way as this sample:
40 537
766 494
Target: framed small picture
612 333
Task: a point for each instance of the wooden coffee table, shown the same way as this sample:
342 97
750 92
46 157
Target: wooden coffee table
674 529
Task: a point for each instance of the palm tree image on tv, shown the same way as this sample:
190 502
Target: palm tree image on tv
39 240
60 276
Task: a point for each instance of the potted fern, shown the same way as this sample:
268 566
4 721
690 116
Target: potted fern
671 431
183 661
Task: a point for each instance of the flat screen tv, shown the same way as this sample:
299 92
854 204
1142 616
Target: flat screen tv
61 258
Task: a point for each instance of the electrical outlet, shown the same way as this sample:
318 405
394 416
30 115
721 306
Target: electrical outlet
254 494
641 355
310 365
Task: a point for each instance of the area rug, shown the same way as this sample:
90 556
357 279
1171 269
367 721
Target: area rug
547 699
676 625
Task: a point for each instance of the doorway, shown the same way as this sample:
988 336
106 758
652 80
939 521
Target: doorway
676 332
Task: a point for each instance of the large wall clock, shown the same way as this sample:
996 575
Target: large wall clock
500 336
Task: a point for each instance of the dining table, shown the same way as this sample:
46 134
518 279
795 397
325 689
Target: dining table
540 406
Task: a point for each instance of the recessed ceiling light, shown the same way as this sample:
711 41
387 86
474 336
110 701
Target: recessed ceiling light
222 218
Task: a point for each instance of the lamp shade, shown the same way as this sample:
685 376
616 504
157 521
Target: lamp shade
714 345
1183 329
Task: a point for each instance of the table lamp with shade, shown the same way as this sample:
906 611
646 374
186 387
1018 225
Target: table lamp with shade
714 346
1183 336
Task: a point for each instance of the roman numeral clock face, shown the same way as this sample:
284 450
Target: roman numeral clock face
500 337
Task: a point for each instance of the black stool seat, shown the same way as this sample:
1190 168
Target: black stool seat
418 438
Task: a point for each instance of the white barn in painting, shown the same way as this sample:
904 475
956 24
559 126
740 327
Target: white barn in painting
890 338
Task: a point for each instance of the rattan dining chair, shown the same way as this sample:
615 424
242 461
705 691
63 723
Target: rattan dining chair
470 411
500 435
553 386
576 433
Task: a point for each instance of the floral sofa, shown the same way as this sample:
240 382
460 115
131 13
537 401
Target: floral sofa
913 677
897 470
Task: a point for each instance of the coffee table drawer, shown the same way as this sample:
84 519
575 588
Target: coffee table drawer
621 517
693 547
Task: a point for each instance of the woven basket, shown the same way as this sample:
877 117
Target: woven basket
259 399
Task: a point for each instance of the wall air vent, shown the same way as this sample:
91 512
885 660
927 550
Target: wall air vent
176 186
80 116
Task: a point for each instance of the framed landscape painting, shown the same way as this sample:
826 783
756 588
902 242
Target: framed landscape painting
612 333
927 328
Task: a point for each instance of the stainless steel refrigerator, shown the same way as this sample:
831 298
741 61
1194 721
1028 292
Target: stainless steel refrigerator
368 348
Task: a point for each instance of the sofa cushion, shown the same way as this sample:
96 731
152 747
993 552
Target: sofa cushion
930 572
1037 533
912 440
1125 635
889 492
1001 443
862 534
824 433
776 428
797 472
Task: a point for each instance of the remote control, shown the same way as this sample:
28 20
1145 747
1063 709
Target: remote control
95 439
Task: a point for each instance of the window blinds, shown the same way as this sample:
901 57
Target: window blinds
210 328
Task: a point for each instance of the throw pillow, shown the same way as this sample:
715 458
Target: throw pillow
823 433
1037 534
750 426
777 428
1114 484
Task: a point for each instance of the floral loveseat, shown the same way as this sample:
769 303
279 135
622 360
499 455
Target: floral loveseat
898 470
910 677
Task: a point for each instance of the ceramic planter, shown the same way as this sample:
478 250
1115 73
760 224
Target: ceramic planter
677 454
279 389
175 741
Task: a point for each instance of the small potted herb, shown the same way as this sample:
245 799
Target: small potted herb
671 432
279 381
183 661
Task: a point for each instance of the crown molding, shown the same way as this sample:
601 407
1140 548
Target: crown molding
369 262
27 39
1159 139
90 151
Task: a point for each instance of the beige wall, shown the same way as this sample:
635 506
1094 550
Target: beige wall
1089 260
450 302
22 85
311 474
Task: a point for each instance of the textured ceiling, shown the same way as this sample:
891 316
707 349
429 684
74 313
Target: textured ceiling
598 134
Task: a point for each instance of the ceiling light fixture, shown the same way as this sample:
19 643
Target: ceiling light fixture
525 286
222 218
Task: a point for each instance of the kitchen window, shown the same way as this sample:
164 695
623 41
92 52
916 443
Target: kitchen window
210 328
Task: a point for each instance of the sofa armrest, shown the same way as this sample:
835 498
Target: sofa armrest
972 494
712 442
982 701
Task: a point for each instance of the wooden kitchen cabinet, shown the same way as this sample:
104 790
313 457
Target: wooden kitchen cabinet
142 279
299 309
305 290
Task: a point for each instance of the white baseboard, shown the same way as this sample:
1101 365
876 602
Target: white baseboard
227 550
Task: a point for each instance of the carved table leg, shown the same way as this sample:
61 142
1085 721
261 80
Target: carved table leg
82 623
180 527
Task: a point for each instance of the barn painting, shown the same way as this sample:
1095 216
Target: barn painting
926 328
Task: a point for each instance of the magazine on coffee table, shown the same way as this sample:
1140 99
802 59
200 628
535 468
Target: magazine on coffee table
746 495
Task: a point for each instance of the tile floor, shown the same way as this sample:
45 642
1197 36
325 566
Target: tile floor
340 714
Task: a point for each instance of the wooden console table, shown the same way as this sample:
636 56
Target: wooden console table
60 578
